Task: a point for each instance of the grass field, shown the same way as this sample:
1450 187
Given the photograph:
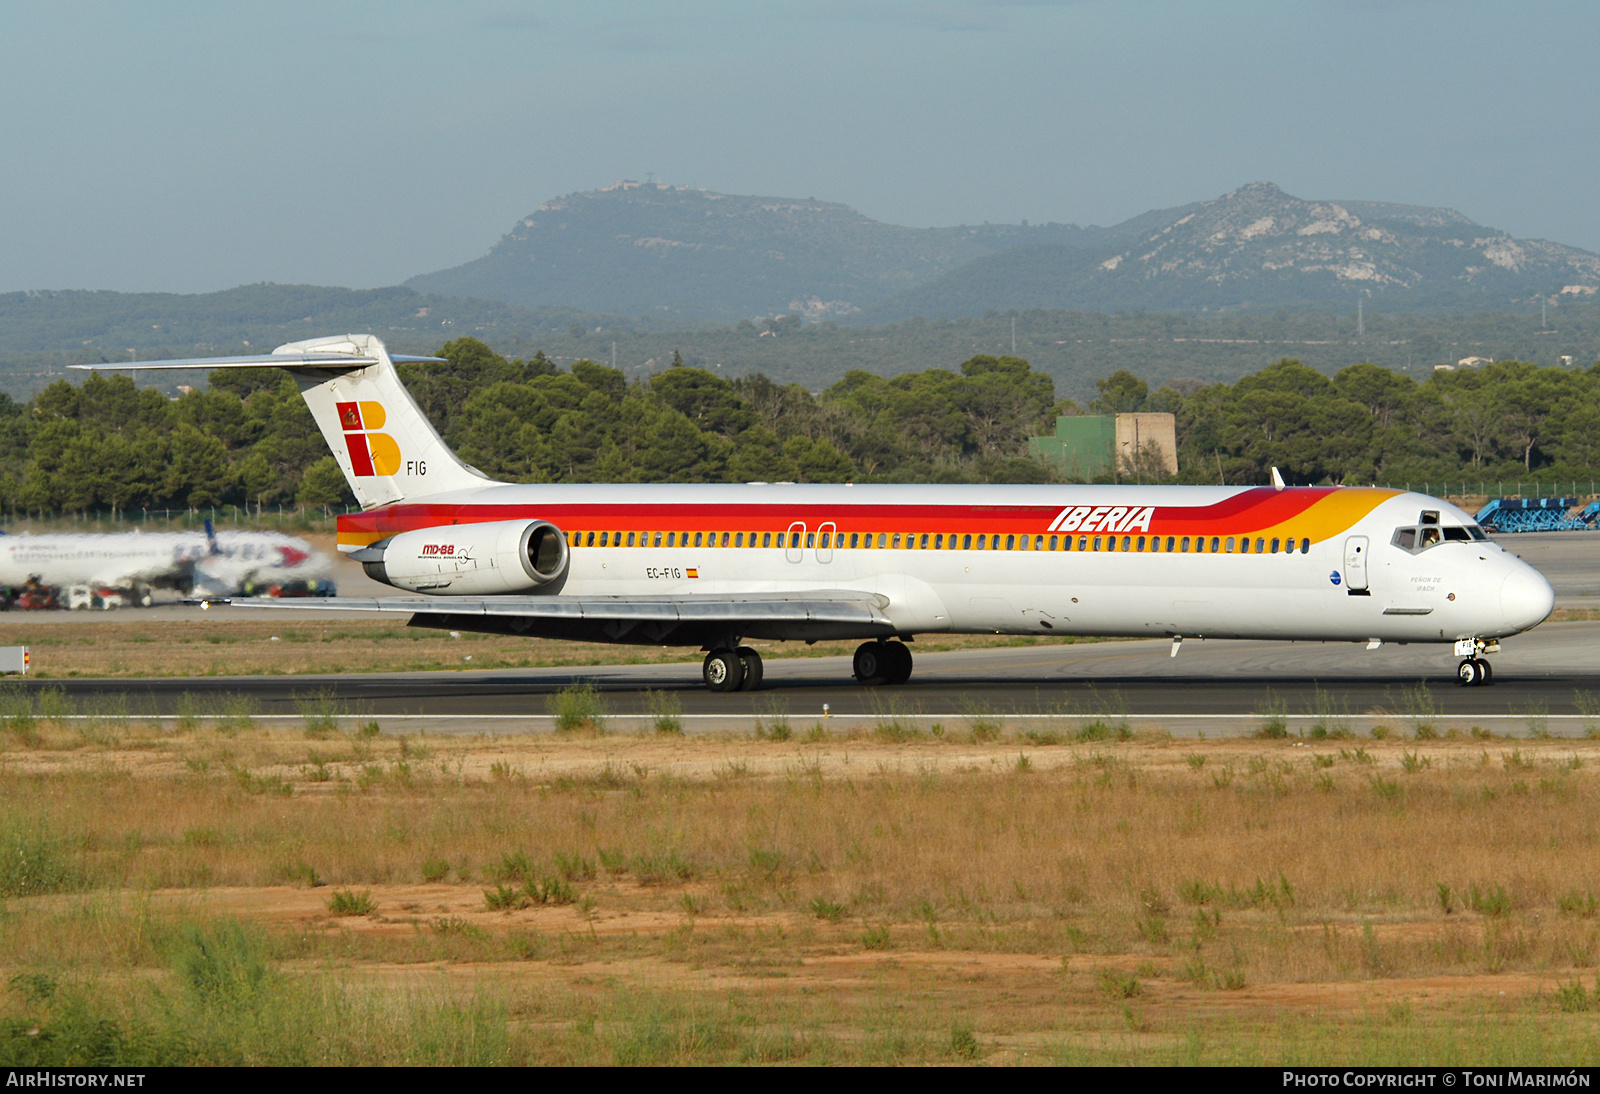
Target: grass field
216 892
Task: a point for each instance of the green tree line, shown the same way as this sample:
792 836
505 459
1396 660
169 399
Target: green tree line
247 438
1509 421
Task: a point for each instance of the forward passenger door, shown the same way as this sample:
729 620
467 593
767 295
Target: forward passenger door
1355 566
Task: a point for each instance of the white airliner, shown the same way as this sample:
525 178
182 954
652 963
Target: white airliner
205 564
712 566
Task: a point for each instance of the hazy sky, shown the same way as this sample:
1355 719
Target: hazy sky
196 146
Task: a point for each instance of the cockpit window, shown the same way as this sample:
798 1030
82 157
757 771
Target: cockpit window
1430 535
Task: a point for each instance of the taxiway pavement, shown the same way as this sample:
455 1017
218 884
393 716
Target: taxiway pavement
1545 681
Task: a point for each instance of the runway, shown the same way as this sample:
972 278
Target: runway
1218 688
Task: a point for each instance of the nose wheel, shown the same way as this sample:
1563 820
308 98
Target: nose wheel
1474 672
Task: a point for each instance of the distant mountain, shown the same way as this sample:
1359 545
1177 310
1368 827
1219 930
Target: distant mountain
94 326
1260 248
634 249
685 255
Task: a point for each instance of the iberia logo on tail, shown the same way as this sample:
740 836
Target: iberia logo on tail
371 453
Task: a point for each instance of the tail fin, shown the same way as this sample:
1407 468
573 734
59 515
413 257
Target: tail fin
383 443
211 539
380 438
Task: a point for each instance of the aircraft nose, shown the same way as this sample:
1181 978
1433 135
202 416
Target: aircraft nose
1526 598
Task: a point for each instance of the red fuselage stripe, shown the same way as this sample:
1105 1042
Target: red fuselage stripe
1245 512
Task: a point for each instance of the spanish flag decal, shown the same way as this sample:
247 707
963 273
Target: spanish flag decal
692 572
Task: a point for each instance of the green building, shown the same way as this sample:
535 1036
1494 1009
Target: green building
1141 446
1082 446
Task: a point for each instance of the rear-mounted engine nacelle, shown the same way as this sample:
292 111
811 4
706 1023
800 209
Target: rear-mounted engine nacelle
503 556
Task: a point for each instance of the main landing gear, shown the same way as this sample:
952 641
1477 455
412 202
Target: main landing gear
883 663
732 670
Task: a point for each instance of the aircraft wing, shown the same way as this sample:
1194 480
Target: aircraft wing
625 619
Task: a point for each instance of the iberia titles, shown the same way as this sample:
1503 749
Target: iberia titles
1103 518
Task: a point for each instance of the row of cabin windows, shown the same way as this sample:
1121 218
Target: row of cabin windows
939 542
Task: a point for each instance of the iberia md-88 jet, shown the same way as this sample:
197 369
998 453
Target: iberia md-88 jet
715 565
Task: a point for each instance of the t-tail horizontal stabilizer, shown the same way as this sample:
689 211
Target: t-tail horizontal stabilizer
380 438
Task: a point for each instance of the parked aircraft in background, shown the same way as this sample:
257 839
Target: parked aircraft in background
712 566
89 570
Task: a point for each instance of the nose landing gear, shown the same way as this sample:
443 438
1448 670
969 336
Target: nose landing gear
1474 670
